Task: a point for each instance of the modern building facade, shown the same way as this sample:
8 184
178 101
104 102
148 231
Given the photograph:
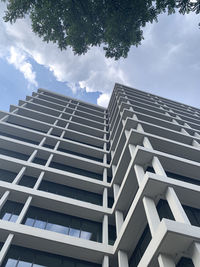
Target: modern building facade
84 186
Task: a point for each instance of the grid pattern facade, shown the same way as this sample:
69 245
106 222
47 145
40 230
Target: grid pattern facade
84 186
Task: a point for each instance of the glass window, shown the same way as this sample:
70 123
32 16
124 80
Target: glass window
64 224
57 228
71 192
27 181
76 170
13 154
185 262
39 224
193 215
75 227
140 247
164 210
11 263
29 222
39 161
10 211
7 176
111 234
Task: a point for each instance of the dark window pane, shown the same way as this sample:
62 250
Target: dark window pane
79 154
76 170
27 181
185 262
19 138
193 215
183 178
61 223
30 257
71 192
13 154
7 176
140 247
111 234
10 211
39 161
164 210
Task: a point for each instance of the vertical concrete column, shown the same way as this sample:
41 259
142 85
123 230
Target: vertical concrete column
39 180
105 230
122 259
105 158
165 261
175 122
42 141
135 117
105 197
195 254
197 135
116 188
4 118
113 169
158 167
32 156
49 160
19 175
139 171
119 219
4 198
5 248
63 132
176 207
147 143
105 174
24 210
184 131
151 214
127 134
57 145
105 262
131 149
139 127
187 125
195 144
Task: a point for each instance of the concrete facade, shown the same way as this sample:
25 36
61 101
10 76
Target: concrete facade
139 159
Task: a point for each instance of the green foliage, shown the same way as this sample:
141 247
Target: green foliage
81 24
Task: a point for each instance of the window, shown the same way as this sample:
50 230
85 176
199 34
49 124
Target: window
79 154
19 138
71 192
64 224
39 161
27 181
193 215
25 257
185 262
13 154
75 170
10 211
164 210
140 247
7 176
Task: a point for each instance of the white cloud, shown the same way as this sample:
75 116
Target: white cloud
19 60
167 62
103 100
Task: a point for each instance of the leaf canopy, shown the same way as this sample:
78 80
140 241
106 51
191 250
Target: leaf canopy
81 24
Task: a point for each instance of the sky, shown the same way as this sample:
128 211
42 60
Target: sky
166 64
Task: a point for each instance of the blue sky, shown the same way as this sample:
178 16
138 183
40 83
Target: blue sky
167 64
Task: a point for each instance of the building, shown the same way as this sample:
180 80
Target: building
84 186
